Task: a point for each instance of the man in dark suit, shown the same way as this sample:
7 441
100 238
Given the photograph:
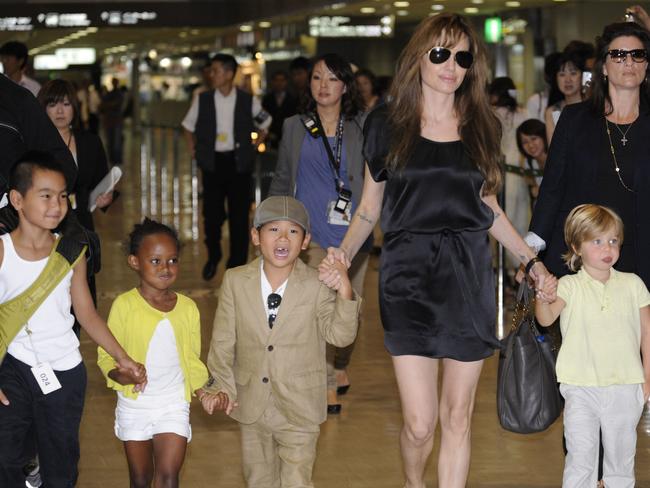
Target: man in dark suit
280 104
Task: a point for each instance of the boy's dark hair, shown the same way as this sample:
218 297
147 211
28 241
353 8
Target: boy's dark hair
16 49
149 227
229 62
20 177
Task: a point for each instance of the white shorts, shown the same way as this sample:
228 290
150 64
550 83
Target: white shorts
141 424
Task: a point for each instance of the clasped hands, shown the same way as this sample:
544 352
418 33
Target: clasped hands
215 401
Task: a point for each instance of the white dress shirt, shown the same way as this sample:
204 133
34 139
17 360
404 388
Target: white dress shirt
225 107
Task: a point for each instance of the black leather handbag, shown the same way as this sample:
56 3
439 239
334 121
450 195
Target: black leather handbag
528 397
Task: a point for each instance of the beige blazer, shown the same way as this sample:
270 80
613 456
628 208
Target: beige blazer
250 362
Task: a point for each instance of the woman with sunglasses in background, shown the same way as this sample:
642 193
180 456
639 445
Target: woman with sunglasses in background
600 154
321 164
433 157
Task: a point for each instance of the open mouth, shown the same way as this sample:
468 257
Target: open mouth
281 252
607 260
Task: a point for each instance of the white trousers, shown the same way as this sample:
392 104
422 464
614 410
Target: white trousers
615 410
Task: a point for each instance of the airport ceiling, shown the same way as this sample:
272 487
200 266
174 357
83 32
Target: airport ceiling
194 25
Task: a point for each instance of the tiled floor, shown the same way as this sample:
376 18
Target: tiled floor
358 449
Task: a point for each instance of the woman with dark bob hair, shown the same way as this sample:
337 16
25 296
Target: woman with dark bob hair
321 164
433 159
600 154
533 146
59 99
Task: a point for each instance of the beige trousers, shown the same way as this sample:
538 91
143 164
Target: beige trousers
277 454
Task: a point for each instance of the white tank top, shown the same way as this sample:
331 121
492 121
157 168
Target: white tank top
52 337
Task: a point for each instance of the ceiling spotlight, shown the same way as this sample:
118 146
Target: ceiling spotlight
153 54
368 10
265 24
513 3
246 28
470 10
186 62
165 63
402 13
437 7
401 4
477 2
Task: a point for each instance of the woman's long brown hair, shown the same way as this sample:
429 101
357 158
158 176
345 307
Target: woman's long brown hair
479 128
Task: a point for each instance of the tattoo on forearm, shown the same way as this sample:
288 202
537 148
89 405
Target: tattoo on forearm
496 215
366 218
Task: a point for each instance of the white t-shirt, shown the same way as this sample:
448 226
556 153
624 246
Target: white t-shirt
225 107
165 379
52 338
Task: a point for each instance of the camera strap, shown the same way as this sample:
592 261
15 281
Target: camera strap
335 162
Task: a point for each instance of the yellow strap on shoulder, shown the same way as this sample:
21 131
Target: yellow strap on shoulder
15 313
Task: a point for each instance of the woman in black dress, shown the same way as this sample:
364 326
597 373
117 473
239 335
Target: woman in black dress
433 158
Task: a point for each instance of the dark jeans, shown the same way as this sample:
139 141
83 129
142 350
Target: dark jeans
226 184
53 418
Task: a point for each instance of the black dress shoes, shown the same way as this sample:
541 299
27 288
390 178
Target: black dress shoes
209 270
334 409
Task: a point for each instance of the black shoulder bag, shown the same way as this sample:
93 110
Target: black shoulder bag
528 397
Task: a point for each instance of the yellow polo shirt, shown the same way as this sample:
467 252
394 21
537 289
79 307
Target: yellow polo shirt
601 329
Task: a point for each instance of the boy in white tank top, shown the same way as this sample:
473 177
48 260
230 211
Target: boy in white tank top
45 346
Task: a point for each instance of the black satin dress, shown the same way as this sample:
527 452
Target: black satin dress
436 285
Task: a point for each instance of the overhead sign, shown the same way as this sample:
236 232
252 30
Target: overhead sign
16 24
343 26
64 57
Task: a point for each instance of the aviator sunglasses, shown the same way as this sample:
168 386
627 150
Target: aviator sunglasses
438 55
620 55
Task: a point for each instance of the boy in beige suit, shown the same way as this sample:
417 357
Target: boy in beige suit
267 355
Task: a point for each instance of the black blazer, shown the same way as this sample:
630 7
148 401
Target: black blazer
579 143
92 167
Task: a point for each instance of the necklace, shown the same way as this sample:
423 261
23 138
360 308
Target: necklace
611 147
624 134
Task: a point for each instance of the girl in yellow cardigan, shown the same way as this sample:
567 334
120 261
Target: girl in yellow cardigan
160 328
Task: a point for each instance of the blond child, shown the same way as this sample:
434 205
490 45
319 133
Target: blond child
603 365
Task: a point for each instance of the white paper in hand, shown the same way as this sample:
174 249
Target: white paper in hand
107 184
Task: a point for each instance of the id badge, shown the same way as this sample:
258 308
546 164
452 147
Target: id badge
222 137
335 216
45 377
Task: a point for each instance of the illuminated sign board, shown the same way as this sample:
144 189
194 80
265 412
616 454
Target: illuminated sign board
343 26
493 29
16 24
64 57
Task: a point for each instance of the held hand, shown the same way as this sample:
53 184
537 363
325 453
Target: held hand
539 273
3 399
104 200
548 294
337 254
135 372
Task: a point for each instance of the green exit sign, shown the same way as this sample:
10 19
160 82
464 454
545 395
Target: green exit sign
493 29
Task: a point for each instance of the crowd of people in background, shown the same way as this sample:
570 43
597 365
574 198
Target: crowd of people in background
423 154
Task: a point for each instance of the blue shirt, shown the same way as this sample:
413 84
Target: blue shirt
316 188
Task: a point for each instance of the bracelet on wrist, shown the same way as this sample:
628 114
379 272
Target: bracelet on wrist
531 263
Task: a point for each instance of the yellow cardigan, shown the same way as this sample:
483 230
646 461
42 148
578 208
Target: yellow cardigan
133 321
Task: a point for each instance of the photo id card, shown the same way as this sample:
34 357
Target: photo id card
46 378
339 217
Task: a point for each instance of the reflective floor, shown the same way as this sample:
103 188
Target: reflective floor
359 448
